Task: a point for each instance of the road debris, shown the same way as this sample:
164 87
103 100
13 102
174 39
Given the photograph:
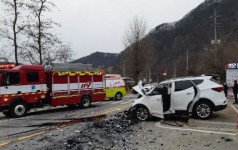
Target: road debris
228 139
110 133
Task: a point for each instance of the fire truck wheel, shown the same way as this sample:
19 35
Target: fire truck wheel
118 96
18 109
86 101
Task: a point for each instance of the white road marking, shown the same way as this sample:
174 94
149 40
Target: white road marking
233 108
116 102
126 102
210 122
105 102
2 121
194 130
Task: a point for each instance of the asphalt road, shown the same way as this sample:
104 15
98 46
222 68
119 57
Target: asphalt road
62 122
42 121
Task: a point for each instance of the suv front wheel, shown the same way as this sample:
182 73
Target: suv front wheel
141 113
203 110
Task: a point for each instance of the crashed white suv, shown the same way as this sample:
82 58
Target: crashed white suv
199 96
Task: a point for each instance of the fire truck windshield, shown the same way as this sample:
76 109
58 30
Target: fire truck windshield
9 78
2 76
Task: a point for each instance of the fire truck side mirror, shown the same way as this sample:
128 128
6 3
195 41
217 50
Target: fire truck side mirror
48 67
5 81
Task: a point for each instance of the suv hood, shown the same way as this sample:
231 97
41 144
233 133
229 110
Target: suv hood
140 89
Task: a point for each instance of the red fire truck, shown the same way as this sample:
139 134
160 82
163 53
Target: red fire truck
29 86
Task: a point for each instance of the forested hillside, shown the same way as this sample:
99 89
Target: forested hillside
184 47
99 59
193 33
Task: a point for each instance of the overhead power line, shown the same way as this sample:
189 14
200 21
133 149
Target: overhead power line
231 37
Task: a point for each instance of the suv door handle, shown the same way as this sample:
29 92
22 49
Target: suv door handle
189 93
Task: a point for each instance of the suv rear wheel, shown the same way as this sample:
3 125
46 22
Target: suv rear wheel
203 110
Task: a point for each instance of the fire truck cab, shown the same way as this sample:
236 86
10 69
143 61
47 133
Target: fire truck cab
28 86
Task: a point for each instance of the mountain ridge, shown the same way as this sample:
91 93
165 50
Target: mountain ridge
170 42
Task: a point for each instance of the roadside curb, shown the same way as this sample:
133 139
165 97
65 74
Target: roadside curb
196 123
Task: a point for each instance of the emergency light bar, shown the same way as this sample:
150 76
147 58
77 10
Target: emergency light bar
7 66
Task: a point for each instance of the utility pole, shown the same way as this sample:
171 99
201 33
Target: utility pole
123 68
216 41
149 76
165 73
175 69
187 62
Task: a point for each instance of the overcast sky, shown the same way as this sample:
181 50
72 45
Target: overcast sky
99 25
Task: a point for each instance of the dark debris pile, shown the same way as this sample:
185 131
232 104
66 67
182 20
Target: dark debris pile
111 133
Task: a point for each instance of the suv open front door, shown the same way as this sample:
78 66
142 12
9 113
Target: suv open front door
156 105
152 101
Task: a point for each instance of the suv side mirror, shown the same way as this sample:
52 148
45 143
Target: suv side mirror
144 92
155 93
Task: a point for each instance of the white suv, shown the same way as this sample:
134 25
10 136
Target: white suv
199 96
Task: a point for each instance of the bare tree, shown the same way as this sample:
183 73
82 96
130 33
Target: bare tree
3 58
64 54
43 45
13 26
136 56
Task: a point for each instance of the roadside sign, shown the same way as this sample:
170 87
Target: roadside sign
231 73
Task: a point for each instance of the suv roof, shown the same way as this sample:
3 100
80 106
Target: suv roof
186 78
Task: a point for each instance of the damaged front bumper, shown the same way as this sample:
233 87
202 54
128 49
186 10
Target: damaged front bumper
130 112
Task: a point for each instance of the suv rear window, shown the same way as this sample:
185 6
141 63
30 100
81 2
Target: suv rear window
197 82
182 85
215 80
